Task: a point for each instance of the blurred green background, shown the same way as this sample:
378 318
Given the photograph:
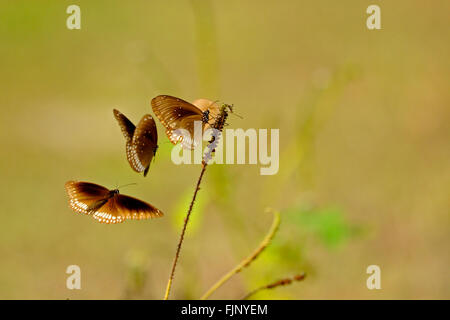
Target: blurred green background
364 144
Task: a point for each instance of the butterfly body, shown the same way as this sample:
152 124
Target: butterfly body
141 141
205 116
107 206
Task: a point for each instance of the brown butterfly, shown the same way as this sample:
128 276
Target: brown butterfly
141 141
175 114
107 206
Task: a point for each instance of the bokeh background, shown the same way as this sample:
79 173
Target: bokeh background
364 147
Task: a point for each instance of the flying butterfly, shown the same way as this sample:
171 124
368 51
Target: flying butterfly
175 114
141 141
107 206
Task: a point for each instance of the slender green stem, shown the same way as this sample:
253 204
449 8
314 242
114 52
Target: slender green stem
247 261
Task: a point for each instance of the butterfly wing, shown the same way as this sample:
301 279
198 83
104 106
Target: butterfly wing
186 135
85 196
175 113
126 125
206 104
121 207
132 208
128 129
143 145
141 141
108 213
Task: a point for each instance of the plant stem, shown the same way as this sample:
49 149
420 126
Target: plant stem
282 282
218 126
246 262
183 231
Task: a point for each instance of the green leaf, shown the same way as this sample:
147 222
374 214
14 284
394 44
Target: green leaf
328 224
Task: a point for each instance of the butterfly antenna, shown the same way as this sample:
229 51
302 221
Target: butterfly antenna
231 107
125 185
237 115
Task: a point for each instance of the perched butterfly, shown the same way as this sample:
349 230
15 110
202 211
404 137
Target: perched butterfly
175 114
141 141
107 206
